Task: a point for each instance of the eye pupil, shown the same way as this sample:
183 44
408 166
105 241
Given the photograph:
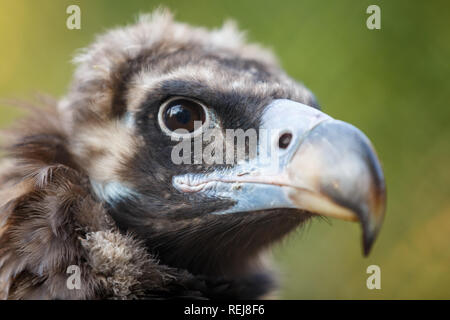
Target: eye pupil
182 114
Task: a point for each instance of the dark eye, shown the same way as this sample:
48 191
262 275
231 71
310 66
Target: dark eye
182 113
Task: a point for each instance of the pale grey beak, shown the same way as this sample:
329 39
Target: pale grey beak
324 166
344 178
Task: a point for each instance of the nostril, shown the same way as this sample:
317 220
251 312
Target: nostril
285 140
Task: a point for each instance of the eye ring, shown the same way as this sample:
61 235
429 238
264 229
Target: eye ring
172 133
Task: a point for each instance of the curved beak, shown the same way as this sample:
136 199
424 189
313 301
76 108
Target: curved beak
335 172
324 166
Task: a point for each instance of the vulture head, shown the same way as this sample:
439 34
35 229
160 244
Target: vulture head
197 148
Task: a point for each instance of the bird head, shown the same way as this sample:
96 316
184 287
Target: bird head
199 144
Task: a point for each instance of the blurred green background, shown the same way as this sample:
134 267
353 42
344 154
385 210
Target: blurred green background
393 83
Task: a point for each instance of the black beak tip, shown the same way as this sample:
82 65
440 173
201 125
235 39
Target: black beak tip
368 238
367 245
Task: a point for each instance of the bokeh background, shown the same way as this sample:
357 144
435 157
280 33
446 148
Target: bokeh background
392 83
